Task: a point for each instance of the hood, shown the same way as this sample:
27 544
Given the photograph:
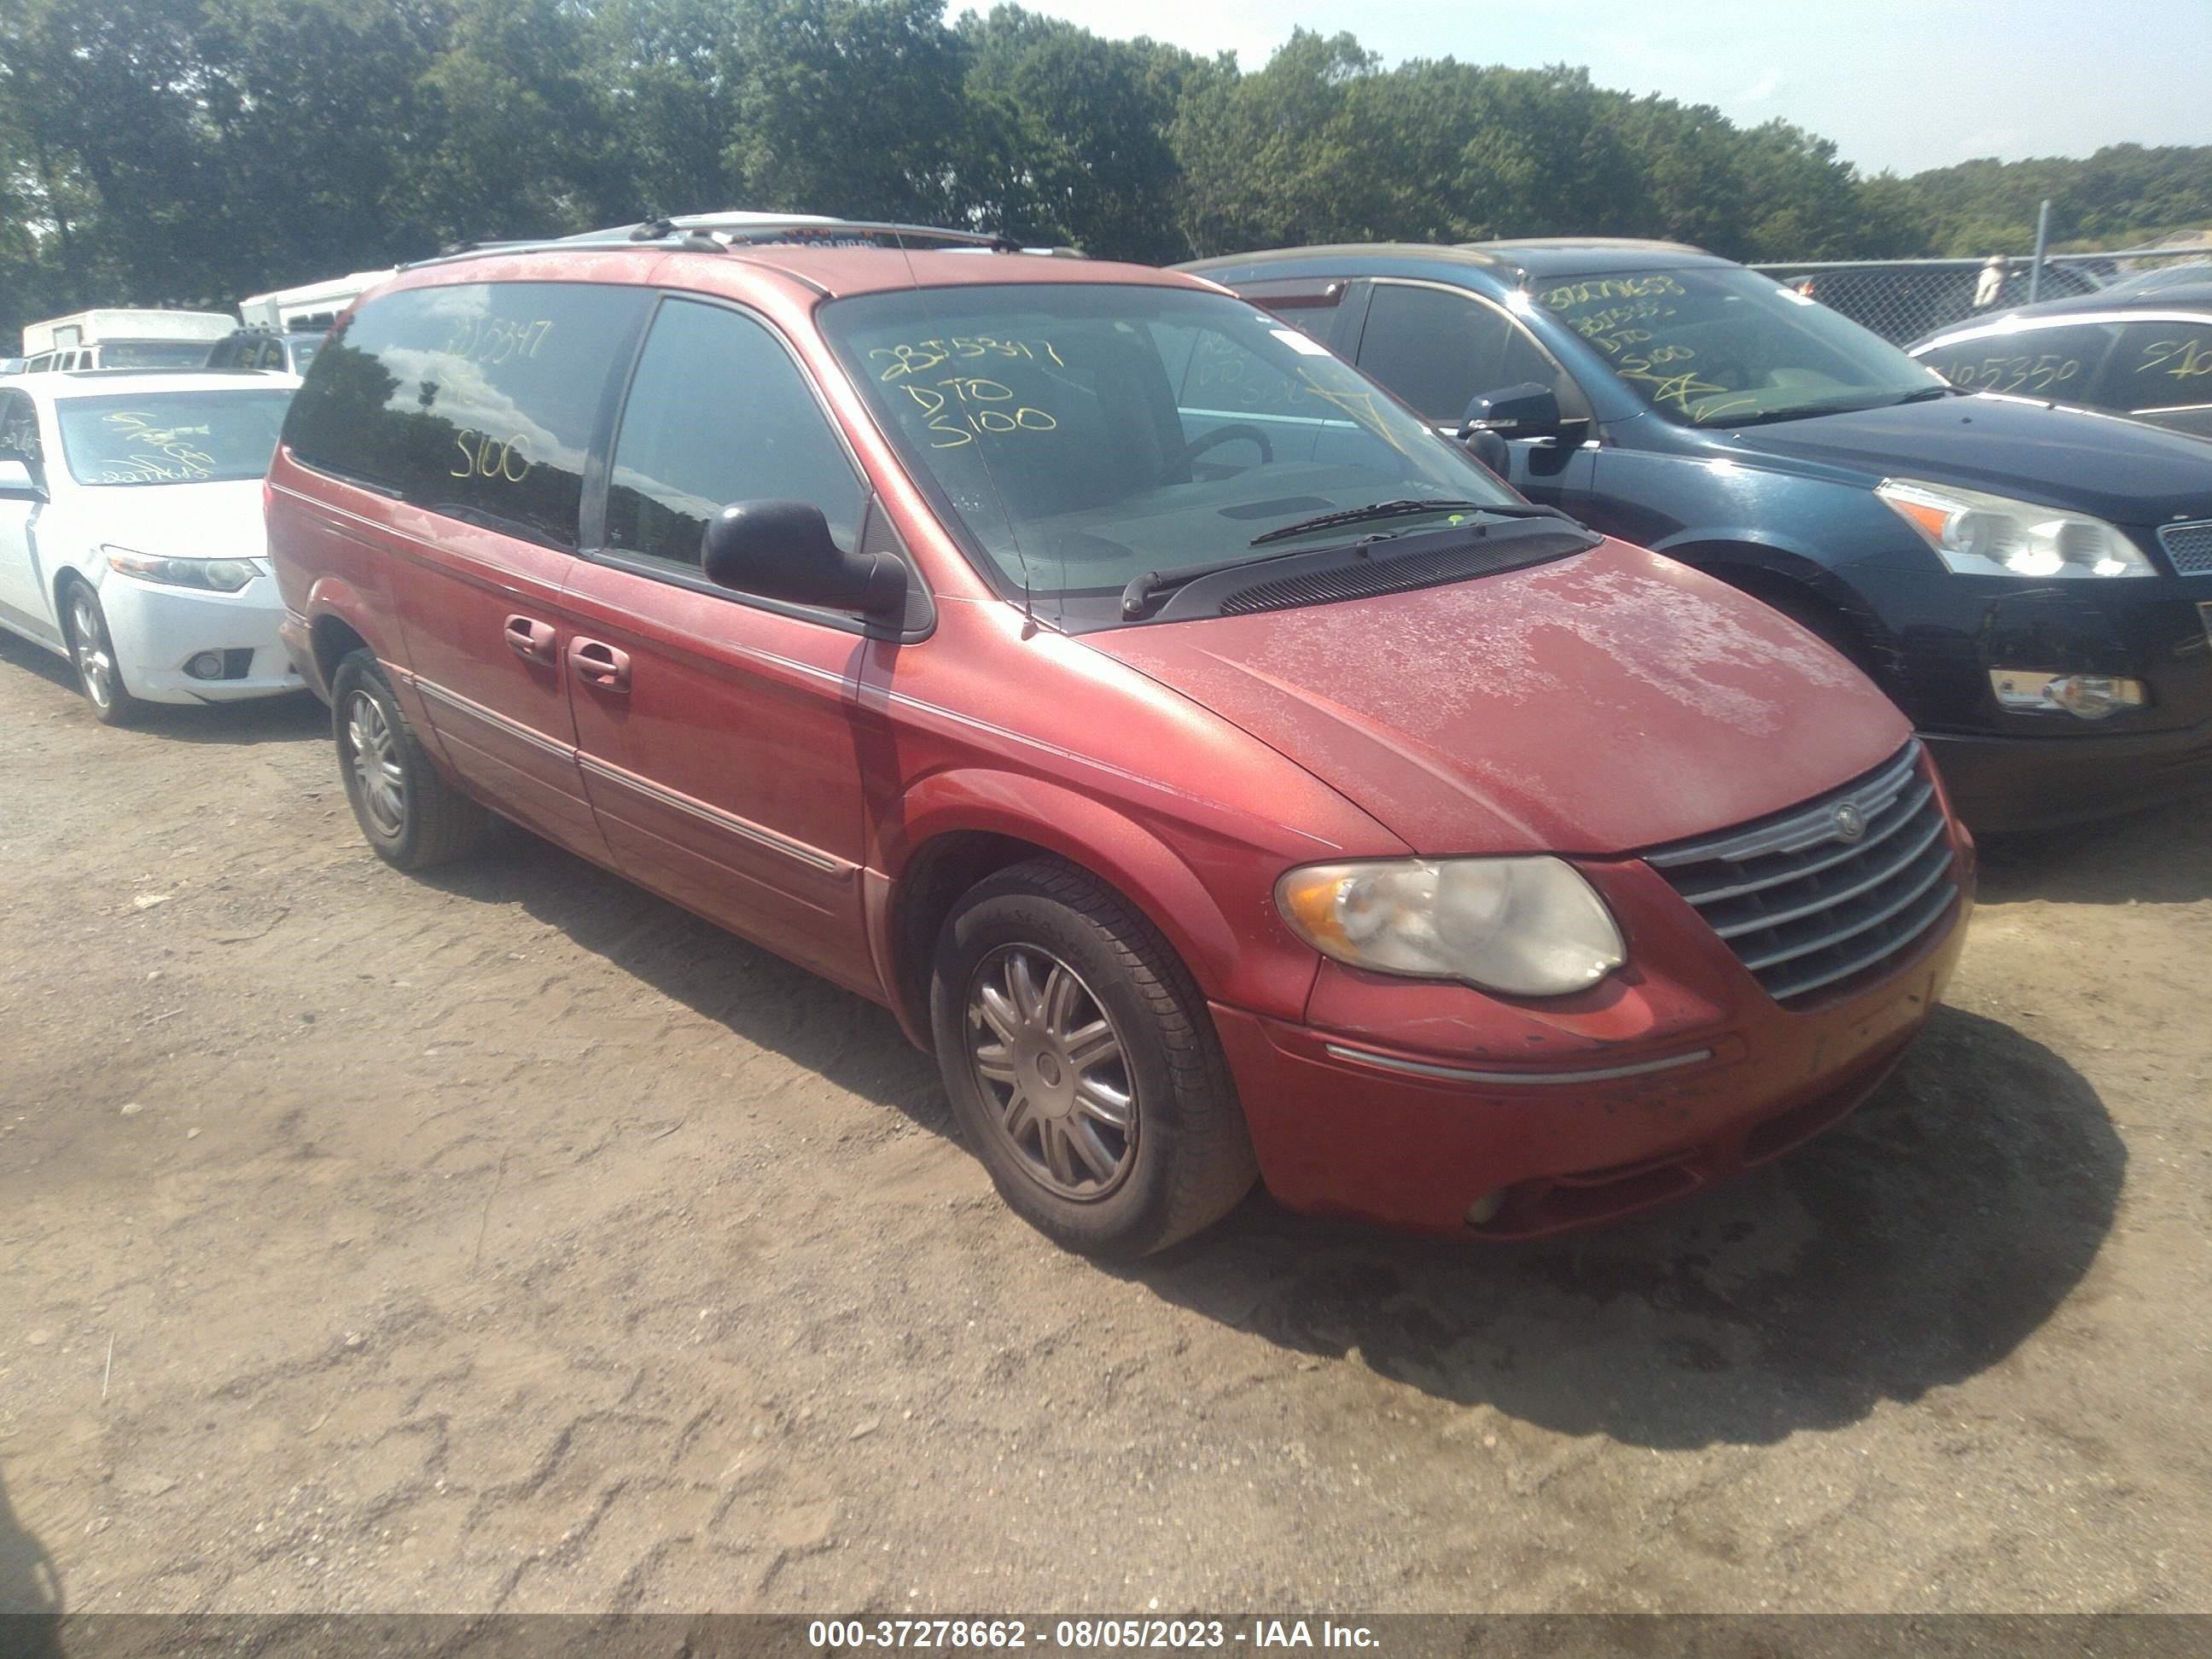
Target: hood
1600 704
221 520
2117 470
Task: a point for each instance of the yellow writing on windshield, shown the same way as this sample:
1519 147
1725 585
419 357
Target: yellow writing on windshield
1361 404
1569 294
918 356
971 404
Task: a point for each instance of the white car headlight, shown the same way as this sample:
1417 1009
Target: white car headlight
1982 535
209 575
1526 927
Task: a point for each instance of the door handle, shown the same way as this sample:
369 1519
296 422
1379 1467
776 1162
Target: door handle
599 665
529 639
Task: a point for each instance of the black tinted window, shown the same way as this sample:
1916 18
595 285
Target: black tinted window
1433 349
718 413
477 400
2062 363
2166 365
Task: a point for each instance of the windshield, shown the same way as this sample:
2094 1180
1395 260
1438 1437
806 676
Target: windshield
171 437
1720 344
303 353
154 354
1084 434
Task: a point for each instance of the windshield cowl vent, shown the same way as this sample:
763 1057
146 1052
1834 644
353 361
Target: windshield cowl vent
1372 576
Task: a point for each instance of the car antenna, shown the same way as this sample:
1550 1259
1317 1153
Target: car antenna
1028 598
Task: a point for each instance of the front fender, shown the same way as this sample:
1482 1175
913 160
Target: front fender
1217 912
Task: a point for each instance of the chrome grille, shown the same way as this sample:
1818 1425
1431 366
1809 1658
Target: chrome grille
1803 907
2189 545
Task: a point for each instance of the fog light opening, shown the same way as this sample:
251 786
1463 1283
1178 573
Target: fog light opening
205 666
1485 1209
2085 697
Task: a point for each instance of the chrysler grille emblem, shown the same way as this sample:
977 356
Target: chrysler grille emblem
1850 822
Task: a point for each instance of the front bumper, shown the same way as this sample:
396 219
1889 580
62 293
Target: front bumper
158 629
2009 770
2004 784
1344 1125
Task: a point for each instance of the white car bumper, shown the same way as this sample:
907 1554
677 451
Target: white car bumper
158 629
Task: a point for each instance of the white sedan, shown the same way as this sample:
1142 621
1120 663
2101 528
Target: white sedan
130 532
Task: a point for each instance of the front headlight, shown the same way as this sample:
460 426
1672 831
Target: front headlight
1980 535
1527 926
209 575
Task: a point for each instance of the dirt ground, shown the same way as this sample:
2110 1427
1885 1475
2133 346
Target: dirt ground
511 1240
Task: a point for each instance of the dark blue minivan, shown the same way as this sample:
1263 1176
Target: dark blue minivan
2031 584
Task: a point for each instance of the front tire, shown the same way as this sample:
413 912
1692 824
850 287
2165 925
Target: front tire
92 650
411 815
1083 1067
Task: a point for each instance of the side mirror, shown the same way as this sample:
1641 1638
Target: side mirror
782 550
1527 411
17 481
1490 450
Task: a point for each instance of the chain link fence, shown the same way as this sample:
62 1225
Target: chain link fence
1904 300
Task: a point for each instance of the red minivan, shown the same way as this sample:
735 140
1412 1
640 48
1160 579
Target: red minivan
1224 773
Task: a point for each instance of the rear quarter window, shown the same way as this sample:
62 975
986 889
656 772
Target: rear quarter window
477 400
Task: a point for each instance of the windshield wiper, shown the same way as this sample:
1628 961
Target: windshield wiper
1137 598
1361 514
1927 391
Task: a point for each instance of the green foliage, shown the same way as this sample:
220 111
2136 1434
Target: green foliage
192 151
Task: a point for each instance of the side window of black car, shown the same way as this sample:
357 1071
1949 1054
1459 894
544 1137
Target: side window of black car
718 412
476 399
2162 365
2061 362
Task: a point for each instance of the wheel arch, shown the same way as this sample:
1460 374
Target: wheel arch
1803 589
340 620
959 828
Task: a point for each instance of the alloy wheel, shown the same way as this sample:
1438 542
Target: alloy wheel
1052 1066
94 666
376 770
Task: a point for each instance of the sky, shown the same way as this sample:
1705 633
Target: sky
1896 84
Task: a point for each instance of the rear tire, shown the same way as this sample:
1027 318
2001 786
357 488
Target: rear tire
410 814
1083 1066
92 651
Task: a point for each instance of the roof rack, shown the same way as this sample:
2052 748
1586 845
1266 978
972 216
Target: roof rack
720 233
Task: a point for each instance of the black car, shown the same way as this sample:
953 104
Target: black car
2142 347
2033 585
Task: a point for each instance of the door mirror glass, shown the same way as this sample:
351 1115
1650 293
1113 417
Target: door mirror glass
1527 411
784 551
16 481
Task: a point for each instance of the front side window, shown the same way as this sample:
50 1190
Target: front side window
476 399
1436 349
2060 363
171 437
1718 344
1439 351
718 412
1078 435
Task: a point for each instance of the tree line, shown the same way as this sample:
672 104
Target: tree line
187 152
